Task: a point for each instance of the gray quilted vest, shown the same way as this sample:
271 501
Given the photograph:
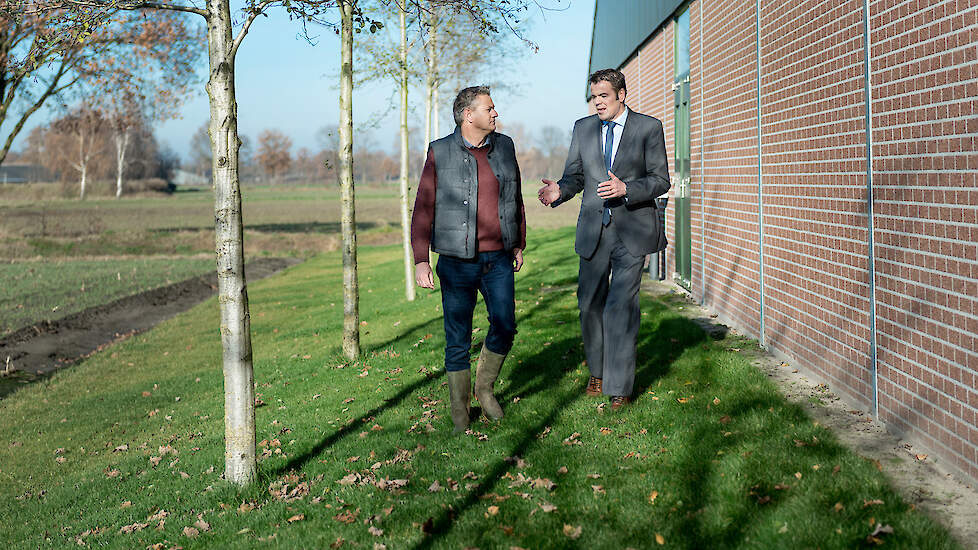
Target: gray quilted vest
457 192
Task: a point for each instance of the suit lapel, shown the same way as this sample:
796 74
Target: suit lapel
626 134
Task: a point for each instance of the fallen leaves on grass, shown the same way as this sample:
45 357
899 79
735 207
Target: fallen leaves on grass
652 496
287 489
348 516
572 439
544 433
295 518
133 527
572 532
202 525
597 490
375 531
874 502
659 539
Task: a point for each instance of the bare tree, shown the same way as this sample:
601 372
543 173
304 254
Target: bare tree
389 61
405 166
86 128
41 59
348 220
274 153
200 150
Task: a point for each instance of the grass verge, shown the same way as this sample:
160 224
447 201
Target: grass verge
125 450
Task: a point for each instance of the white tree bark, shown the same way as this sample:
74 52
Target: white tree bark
239 378
434 109
84 172
348 222
82 164
121 144
405 190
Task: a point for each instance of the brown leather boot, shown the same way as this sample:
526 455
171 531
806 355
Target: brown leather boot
487 371
460 396
593 388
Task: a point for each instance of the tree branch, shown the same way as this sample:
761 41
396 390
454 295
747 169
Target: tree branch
126 5
255 12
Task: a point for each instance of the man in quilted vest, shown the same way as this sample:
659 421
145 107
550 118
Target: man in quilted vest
470 211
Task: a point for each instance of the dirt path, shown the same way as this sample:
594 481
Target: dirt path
921 480
40 349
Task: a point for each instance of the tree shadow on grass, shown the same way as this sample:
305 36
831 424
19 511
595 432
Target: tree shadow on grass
542 372
353 427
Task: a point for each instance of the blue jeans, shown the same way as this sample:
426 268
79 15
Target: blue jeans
491 273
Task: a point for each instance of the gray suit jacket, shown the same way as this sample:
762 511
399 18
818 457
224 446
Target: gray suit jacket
640 162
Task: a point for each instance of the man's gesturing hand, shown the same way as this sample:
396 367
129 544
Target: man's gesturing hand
613 188
549 193
423 276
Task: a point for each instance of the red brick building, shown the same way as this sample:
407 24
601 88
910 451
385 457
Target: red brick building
825 187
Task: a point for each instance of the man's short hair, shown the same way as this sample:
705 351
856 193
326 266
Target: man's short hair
611 76
465 98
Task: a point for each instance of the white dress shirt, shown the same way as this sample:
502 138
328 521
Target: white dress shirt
619 128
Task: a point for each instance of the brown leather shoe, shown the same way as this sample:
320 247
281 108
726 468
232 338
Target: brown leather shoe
593 387
619 401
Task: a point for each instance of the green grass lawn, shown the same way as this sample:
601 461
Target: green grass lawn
38 291
126 449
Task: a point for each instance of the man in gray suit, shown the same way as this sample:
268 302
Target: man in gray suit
618 158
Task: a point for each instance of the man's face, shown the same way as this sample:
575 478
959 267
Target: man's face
482 114
607 103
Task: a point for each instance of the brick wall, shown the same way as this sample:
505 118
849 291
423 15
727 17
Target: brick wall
816 245
727 96
925 85
817 248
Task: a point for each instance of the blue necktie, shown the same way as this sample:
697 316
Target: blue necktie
609 142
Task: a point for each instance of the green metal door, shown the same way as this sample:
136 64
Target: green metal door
680 89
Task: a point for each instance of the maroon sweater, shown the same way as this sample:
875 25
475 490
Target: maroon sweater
487 232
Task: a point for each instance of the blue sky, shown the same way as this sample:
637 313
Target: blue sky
287 84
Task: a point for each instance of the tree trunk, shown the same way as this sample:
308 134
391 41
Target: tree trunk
239 376
427 120
121 143
433 73
84 173
348 219
429 81
82 164
434 110
405 190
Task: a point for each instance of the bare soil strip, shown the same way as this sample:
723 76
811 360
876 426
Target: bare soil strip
47 346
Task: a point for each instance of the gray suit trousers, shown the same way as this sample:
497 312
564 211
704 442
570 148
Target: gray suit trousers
607 295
